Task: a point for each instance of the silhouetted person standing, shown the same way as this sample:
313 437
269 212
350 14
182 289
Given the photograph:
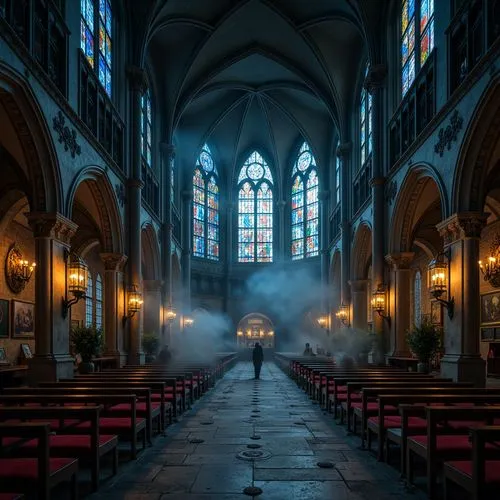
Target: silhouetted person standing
258 358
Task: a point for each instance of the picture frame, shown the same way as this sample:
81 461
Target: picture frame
23 319
3 356
488 333
490 308
436 313
26 350
4 319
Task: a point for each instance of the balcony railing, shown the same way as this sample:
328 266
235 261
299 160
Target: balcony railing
472 31
361 185
335 223
98 113
151 189
40 26
415 111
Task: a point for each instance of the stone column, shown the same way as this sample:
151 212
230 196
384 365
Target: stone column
400 303
187 243
344 151
359 297
229 253
168 158
323 252
113 302
373 83
138 85
152 305
282 252
51 360
462 360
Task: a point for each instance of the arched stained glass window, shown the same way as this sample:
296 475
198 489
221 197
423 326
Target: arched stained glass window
146 126
305 205
205 207
96 21
89 301
365 117
417 38
417 299
98 301
337 180
255 211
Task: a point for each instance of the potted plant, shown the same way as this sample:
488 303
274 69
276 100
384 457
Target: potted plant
87 342
424 341
150 344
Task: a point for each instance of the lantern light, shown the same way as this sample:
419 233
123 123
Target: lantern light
76 279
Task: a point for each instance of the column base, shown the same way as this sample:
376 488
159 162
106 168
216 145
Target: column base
463 368
136 358
50 368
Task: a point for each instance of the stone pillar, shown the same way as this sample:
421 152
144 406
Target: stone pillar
400 303
344 152
138 85
323 252
373 83
282 251
168 158
152 305
51 360
359 297
462 360
113 300
187 243
229 253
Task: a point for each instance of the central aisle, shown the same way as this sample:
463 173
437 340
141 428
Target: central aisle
199 457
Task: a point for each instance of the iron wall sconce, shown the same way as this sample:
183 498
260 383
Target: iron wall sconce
187 322
76 282
379 300
491 268
438 272
134 303
18 271
343 314
170 315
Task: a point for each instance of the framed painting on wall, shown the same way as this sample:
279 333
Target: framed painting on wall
3 356
23 319
490 308
4 319
26 350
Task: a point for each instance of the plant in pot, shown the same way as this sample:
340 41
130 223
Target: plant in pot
424 341
87 342
150 344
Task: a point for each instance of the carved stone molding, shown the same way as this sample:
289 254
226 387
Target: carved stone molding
462 225
375 78
120 194
400 260
138 78
66 135
344 149
391 190
135 183
377 181
168 150
52 225
113 261
449 134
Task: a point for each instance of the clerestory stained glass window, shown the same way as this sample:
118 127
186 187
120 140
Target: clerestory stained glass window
206 236
337 180
89 302
366 126
255 211
305 205
146 126
96 21
98 301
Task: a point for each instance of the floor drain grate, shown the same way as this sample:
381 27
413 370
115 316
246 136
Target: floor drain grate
206 423
251 455
254 446
299 423
252 491
255 437
197 441
325 465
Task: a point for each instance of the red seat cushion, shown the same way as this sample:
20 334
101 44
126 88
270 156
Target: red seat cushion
142 407
374 407
354 397
107 423
70 442
450 443
394 421
491 469
11 496
464 424
27 468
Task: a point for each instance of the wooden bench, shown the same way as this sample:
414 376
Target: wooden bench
35 475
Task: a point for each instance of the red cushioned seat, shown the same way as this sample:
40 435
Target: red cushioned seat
394 421
354 397
111 423
10 441
341 388
11 496
156 396
450 443
76 442
127 407
374 407
464 424
491 469
27 468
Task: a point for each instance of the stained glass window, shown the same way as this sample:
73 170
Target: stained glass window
98 301
305 205
417 34
337 180
96 22
89 302
366 130
206 207
417 298
255 211
146 126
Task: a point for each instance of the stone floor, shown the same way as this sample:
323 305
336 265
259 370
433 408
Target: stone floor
199 457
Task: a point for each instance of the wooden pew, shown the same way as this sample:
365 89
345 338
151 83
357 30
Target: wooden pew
89 446
38 475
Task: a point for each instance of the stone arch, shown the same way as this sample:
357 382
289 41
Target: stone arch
151 261
250 322
420 183
110 222
361 251
479 153
44 191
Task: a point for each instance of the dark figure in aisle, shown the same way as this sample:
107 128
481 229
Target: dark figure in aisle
258 357
164 357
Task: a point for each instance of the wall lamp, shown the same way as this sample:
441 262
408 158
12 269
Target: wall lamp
76 282
187 322
343 314
18 271
379 302
134 302
439 278
170 314
324 322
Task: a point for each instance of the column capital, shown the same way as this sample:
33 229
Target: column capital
138 78
168 149
344 149
52 225
358 285
375 79
113 261
462 225
135 183
401 260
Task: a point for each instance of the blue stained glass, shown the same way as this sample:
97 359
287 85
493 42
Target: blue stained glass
108 17
411 8
102 71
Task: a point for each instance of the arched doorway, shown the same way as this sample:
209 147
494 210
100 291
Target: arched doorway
255 327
